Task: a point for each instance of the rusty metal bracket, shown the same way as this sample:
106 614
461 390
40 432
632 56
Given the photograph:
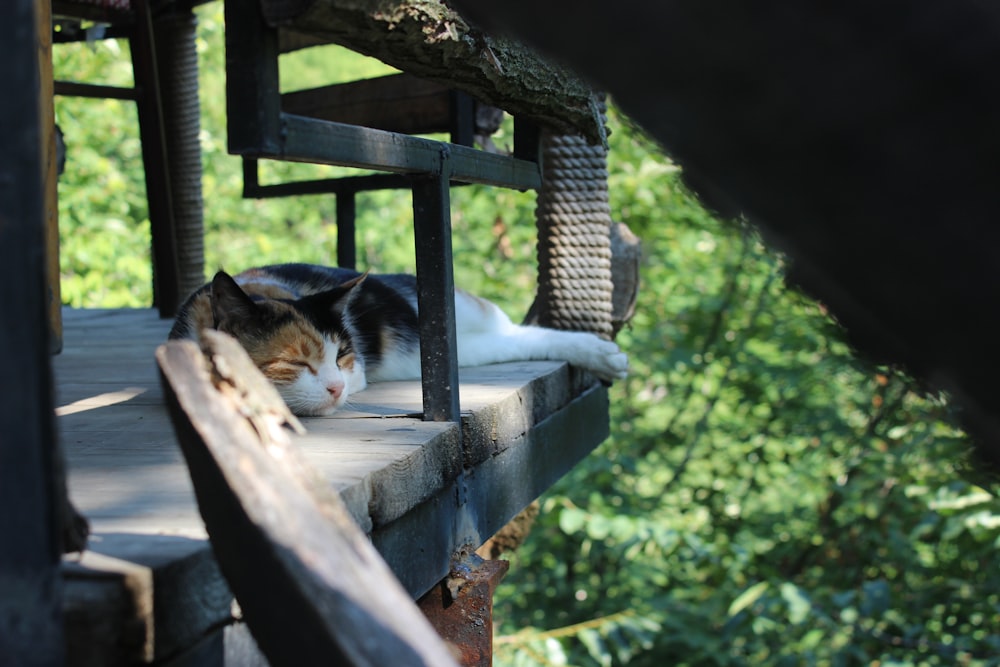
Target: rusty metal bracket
460 608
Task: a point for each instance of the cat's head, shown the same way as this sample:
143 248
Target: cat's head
302 346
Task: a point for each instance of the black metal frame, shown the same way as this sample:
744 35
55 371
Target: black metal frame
258 128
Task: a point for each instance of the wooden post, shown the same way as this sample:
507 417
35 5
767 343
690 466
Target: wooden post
30 592
50 171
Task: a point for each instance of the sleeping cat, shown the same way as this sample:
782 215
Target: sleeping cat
320 334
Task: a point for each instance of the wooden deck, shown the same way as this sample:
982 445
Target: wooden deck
418 488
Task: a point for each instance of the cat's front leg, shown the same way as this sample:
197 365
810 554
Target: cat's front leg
601 357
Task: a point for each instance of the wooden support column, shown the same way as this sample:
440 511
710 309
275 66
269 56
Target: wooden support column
30 588
461 608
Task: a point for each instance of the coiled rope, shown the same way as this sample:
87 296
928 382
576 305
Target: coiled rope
574 246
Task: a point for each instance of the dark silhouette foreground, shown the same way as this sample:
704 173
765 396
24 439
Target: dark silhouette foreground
862 138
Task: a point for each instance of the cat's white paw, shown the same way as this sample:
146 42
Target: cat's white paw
601 357
611 363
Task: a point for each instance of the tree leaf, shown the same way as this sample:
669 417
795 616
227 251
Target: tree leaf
747 598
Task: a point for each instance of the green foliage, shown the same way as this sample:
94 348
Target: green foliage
766 498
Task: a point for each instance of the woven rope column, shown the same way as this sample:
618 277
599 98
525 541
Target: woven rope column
177 63
574 246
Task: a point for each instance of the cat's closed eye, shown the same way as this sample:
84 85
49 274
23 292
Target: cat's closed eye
301 363
285 370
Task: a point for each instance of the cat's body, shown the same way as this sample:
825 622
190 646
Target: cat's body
320 334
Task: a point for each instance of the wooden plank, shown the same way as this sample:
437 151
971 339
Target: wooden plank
116 376
397 103
30 588
498 422
311 586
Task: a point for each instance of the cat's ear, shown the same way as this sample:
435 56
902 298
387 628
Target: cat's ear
352 287
340 298
229 302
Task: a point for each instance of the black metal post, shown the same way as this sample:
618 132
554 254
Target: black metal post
251 182
347 253
436 294
253 102
155 160
463 118
30 586
527 140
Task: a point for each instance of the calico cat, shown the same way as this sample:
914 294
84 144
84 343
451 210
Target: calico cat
320 334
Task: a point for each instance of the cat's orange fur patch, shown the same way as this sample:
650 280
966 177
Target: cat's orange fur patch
346 362
294 349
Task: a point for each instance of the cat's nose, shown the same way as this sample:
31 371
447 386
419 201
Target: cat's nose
335 389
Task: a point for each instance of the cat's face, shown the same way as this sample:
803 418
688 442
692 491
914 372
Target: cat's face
314 372
314 369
